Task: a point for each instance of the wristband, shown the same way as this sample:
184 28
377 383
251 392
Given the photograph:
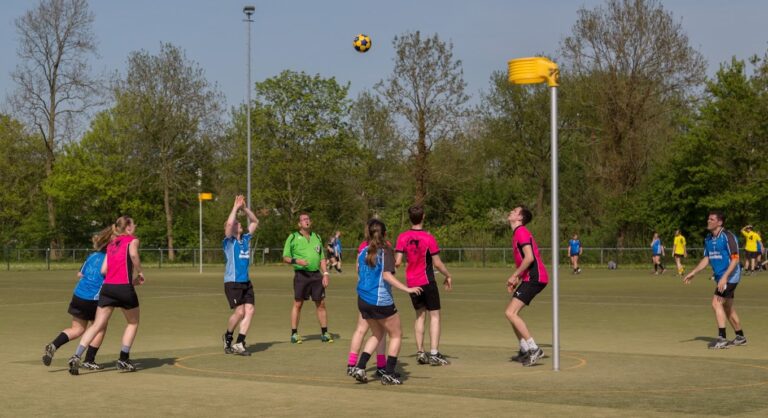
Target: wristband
325 273
293 261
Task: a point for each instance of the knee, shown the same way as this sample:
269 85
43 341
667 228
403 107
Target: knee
511 314
249 310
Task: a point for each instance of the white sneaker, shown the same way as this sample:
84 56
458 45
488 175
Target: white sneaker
239 349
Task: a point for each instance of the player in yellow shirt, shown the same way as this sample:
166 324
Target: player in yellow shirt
750 247
679 250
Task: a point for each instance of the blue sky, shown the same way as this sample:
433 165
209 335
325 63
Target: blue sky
316 36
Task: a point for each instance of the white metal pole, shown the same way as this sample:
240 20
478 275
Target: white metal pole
248 107
201 233
555 241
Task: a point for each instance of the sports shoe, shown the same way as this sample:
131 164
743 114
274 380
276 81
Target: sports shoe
739 340
90 365
422 357
719 343
381 372
350 370
227 347
391 379
438 360
326 337
522 356
126 365
533 357
74 365
48 355
239 349
578 270
359 375
296 338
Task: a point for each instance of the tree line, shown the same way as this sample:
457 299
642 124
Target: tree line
647 141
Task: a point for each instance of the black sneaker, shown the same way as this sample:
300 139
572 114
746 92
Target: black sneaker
422 357
381 372
533 357
91 365
391 379
719 344
739 340
48 355
126 365
438 360
227 346
74 365
522 356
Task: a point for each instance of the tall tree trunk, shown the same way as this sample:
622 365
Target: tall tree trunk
421 170
50 157
168 220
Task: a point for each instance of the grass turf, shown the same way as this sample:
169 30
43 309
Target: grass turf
632 344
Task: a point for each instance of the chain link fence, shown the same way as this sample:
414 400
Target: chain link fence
593 257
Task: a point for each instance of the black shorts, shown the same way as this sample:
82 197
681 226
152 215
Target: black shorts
239 293
368 311
119 296
429 298
308 284
574 254
752 255
728 292
83 308
526 291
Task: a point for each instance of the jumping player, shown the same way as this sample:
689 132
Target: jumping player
85 300
422 257
680 251
376 268
575 251
237 285
657 249
120 264
529 278
721 251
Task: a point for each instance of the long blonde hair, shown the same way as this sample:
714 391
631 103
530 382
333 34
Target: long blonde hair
375 234
102 238
121 224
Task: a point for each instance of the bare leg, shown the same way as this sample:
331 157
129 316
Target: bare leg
237 315
730 312
418 328
99 324
513 315
322 314
434 329
132 326
248 311
296 313
76 329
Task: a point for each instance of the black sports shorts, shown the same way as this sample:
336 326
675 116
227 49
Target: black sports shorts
429 298
239 293
526 291
118 295
368 311
83 308
308 284
728 292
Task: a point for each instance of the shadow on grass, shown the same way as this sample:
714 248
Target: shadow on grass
313 337
258 347
700 338
141 364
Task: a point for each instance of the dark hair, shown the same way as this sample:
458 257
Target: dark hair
374 234
526 213
416 214
719 214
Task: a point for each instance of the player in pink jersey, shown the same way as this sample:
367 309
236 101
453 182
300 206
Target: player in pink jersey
422 257
119 266
529 278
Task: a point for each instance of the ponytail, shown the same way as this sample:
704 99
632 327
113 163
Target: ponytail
121 224
375 235
102 238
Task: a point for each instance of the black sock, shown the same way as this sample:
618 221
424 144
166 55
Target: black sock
90 355
662 266
655 267
240 338
323 330
363 360
60 340
294 331
391 363
740 333
721 332
123 355
228 338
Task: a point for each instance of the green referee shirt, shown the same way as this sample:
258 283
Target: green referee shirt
297 246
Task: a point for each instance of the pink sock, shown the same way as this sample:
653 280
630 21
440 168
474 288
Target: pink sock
352 359
381 361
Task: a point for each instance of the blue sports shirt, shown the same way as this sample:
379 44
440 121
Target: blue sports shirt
337 245
721 249
656 246
238 256
575 246
371 286
89 286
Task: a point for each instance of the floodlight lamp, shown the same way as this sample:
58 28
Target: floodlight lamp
249 10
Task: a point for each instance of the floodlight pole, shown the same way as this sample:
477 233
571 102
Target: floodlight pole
249 10
531 71
200 210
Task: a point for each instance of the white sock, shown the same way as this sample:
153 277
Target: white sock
523 345
433 352
532 344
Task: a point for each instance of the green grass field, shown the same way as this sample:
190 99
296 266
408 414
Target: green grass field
632 344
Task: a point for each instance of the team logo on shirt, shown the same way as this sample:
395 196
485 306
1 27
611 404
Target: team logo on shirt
317 249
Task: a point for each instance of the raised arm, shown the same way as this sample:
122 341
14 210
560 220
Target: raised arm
230 229
253 221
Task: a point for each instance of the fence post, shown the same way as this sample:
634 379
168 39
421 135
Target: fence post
459 256
7 259
504 256
48 258
160 259
601 256
483 255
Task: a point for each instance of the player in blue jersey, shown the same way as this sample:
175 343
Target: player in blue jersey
85 300
574 251
721 251
237 284
658 251
376 268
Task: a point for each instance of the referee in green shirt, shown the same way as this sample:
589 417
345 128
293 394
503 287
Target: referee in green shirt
304 251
